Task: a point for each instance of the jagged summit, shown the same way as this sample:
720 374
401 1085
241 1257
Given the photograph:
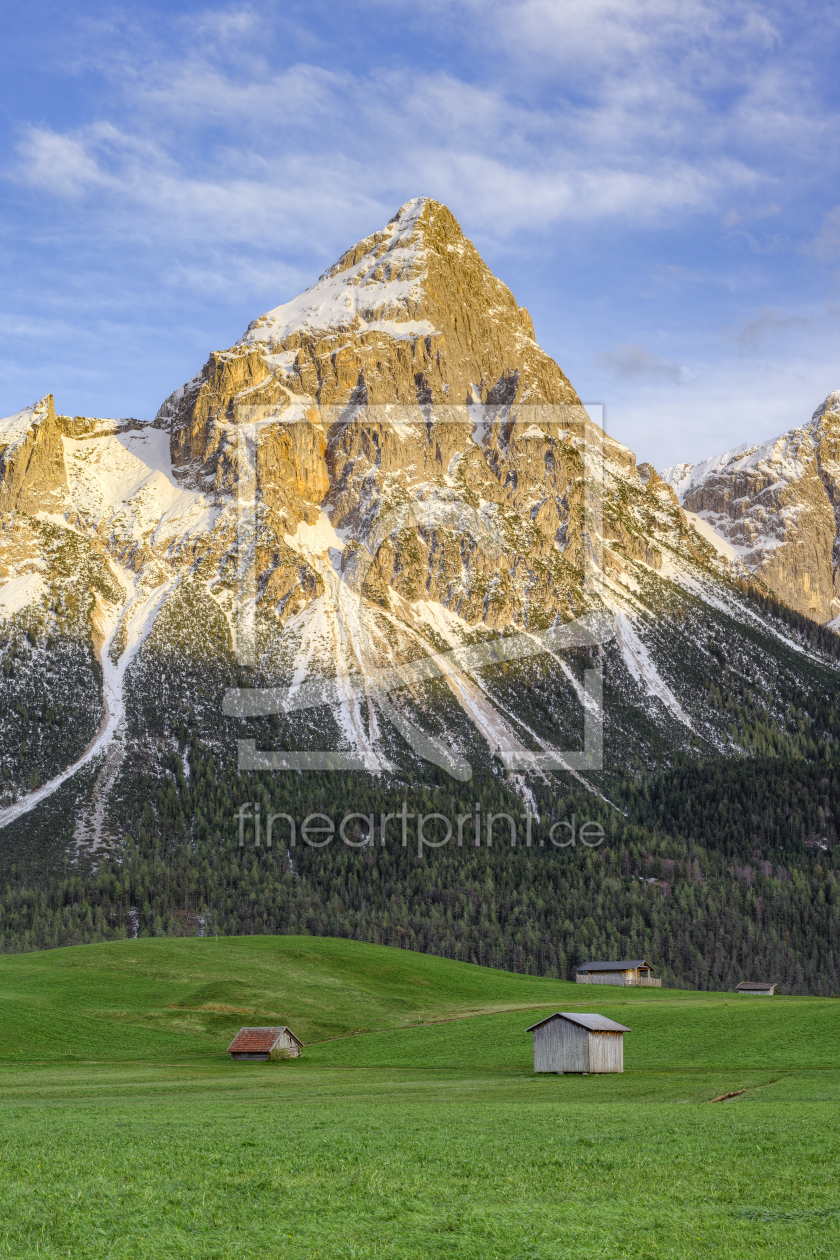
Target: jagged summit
31 459
411 314
831 403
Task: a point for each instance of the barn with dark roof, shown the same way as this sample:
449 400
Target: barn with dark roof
759 988
629 971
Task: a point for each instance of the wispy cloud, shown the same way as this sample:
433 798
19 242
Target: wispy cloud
826 244
754 336
213 139
633 360
63 165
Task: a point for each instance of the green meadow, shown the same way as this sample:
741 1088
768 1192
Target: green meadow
413 1125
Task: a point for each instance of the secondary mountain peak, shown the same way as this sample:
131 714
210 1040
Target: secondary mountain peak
31 458
831 403
777 505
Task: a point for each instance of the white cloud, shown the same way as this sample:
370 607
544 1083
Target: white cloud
222 163
570 111
290 149
60 164
213 139
137 188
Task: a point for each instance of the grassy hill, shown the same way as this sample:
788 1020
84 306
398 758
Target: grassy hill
187 997
410 1140
359 1005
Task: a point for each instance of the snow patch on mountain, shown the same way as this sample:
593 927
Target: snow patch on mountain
706 530
319 539
136 617
125 482
430 615
333 632
639 664
677 477
19 592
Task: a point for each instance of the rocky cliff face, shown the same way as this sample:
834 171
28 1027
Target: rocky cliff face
409 317
32 475
777 504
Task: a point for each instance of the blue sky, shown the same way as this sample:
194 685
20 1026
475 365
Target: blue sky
657 181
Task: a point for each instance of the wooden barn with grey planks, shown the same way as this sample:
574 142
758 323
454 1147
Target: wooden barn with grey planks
566 1042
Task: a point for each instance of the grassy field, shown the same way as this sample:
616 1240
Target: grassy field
413 1126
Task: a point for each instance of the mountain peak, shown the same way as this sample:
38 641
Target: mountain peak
410 314
409 280
412 209
31 458
374 285
14 429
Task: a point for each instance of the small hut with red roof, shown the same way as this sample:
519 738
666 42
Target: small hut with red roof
259 1044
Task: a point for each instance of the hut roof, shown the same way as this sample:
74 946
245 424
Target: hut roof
628 965
595 1023
757 984
259 1040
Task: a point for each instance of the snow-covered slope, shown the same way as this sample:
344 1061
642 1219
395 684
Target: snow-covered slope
122 485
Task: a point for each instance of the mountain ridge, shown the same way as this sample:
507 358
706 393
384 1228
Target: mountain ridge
419 472
383 513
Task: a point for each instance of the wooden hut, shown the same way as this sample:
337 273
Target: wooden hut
258 1044
632 971
759 987
567 1042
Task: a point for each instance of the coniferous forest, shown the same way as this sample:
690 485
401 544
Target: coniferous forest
715 872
